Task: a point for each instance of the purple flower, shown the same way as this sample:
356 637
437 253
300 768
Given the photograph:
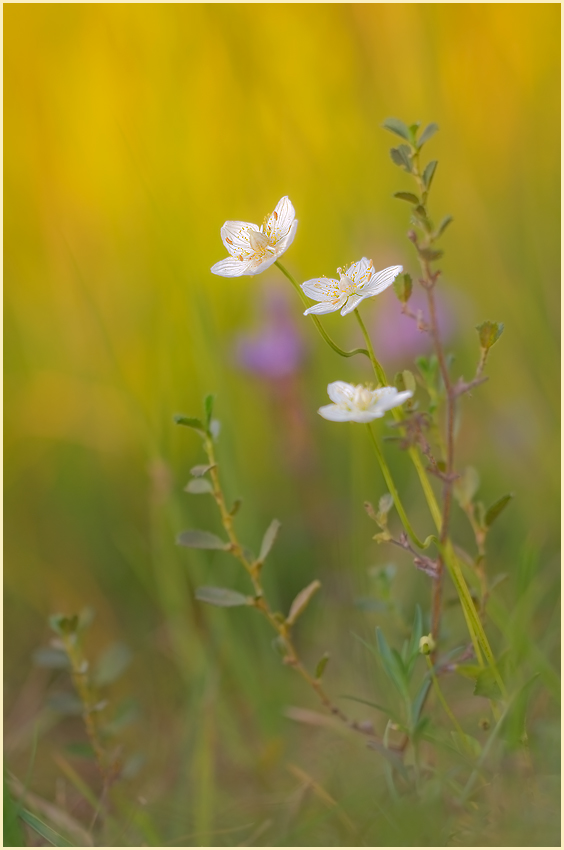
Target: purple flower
277 350
396 336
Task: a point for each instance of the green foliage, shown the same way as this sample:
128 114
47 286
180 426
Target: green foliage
222 597
111 665
495 510
301 601
199 486
13 836
195 539
46 832
403 287
268 539
398 127
427 133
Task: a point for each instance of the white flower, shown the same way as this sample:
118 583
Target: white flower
357 282
252 248
360 404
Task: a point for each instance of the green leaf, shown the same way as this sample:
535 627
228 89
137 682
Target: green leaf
208 409
201 469
63 625
443 225
401 157
44 831
199 485
195 539
466 744
466 487
189 422
486 685
111 664
407 196
268 540
420 699
301 601
321 665
431 254
409 380
489 333
375 705
429 173
394 125
236 505
427 133
12 832
392 662
403 287
222 597
470 671
54 659
65 703
494 511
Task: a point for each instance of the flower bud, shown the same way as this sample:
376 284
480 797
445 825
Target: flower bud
426 644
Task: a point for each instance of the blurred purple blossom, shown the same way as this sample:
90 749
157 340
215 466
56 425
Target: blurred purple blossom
396 336
277 349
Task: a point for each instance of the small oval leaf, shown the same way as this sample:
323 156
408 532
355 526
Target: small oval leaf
201 469
321 665
301 601
427 133
429 173
407 196
394 125
268 539
189 422
54 659
195 539
222 597
494 511
199 485
208 409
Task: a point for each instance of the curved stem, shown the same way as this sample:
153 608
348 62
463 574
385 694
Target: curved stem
393 490
316 321
380 374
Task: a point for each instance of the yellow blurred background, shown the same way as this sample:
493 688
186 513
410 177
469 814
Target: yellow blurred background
132 132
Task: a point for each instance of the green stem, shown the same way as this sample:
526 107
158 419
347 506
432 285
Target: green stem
316 321
441 697
393 490
399 416
380 374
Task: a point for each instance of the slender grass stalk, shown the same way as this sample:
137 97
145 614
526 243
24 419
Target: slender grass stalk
441 696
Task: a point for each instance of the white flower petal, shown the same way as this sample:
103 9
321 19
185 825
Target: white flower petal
392 398
325 307
231 267
257 267
280 222
235 237
335 413
284 243
381 280
360 270
366 415
321 289
340 392
351 304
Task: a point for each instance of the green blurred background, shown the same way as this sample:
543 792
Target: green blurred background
131 133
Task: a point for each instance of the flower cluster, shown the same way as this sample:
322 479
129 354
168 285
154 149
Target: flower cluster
253 249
